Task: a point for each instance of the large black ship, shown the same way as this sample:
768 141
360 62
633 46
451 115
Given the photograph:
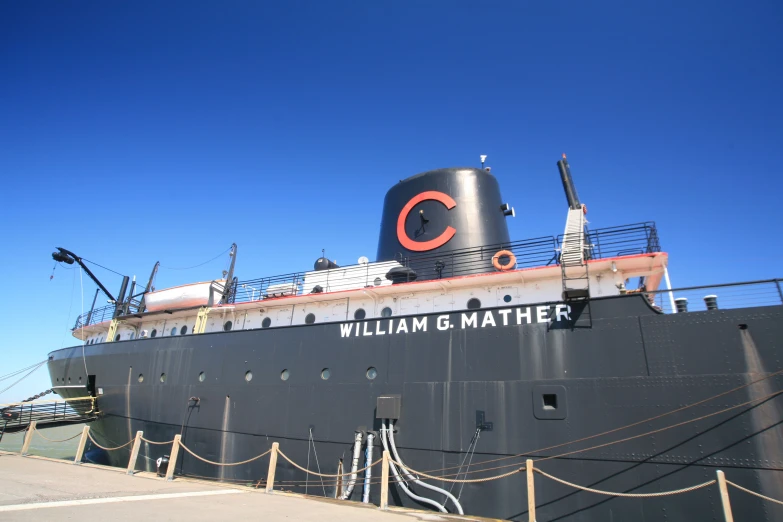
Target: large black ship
465 353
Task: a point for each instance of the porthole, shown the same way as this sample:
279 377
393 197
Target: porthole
377 281
117 337
80 379
174 331
266 323
162 377
473 303
507 298
153 333
285 374
69 380
386 312
227 326
202 376
325 374
140 378
372 373
183 330
248 376
359 314
310 318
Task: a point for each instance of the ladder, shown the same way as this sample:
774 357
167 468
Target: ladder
573 265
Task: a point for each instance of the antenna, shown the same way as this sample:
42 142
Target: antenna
483 159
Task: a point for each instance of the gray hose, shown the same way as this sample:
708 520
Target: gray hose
357 451
414 479
368 471
400 481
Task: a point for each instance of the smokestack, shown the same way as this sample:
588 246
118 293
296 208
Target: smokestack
568 184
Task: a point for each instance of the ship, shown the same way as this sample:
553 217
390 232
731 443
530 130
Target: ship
464 353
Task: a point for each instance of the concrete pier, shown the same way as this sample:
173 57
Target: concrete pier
38 488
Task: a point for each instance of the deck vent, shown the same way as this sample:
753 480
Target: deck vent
682 304
711 301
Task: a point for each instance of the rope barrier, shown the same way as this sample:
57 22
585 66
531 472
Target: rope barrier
294 464
158 443
754 493
38 432
224 464
109 449
628 495
466 481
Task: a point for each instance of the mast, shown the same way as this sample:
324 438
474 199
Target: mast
230 276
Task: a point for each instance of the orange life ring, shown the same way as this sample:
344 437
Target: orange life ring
512 260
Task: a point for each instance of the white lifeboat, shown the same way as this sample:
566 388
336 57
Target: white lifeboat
185 296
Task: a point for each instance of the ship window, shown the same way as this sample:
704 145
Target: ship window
174 331
266 323
227 326
310 318
154 332
117 337
162 377
550 401
285 374
141 378
202 376
359 314
377 281
474 303
386 312
325 374
372 373
248 376
183 330
507 298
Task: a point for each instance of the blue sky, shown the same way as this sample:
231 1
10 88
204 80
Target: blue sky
144 131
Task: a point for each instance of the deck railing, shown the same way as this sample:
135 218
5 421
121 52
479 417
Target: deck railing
767 292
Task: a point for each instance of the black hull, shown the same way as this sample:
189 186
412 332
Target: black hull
619 362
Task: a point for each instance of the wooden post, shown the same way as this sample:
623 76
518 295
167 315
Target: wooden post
531 492
134 453
385 481
173 458
339 489
724 497
82 443
28 438
270 476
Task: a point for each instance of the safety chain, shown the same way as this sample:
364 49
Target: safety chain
109 449
224 464
159 443
466 481
629 495
754 493
294 464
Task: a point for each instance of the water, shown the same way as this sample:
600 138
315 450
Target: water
44 448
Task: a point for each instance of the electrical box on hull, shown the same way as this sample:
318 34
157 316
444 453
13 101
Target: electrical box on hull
388 407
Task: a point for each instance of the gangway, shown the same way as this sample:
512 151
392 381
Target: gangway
47 414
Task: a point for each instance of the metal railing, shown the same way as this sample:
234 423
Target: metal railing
767 292
17 417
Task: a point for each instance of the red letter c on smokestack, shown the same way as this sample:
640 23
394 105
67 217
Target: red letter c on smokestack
423 246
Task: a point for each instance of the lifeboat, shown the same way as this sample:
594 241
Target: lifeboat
185 296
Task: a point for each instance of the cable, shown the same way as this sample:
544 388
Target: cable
196 266
22 378
84 359
109 269
17 372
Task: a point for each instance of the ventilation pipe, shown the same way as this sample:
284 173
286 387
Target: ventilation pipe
357 451
682 304
711 301
368 470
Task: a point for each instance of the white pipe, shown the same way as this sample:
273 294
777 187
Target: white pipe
414 479
400 481
669 287
357 451
368 471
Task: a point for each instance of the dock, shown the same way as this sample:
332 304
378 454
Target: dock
40 488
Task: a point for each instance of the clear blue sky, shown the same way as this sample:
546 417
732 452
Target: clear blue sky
142 131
